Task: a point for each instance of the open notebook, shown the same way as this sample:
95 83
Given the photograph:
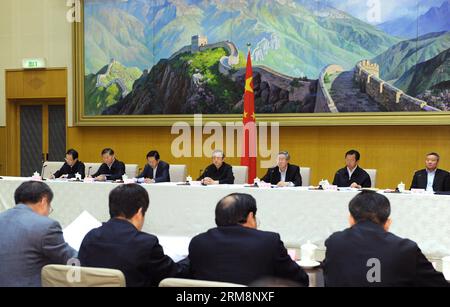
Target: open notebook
74 233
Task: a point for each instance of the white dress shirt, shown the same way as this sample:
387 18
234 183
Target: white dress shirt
430 180
283 177
350 172
154 172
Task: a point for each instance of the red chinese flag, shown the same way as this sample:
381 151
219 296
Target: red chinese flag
249 151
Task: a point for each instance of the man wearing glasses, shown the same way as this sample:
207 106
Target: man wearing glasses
29 239
71 167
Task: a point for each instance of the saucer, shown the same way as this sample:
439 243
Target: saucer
308 264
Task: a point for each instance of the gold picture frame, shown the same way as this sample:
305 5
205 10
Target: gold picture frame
285 119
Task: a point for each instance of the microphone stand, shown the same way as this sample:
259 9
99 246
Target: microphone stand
42 171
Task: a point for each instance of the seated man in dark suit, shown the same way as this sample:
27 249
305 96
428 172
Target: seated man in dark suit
431 178
71 167
156 170
120 244
29 239
367 255
235 251
111 169
284 174
352 175
218 172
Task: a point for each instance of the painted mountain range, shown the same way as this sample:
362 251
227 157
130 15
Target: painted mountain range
436 19
401 57
141 32
128 42
428 75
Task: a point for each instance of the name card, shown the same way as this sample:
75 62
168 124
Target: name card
417 191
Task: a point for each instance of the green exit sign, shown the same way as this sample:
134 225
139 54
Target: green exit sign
33 63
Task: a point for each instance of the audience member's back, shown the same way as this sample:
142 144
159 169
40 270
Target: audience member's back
120 244
367 255
236 251
29 240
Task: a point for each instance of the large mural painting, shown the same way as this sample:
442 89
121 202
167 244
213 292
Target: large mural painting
153 57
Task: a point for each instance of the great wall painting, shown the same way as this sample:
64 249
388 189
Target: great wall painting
310 56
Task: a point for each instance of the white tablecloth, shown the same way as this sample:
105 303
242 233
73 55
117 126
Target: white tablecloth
297 214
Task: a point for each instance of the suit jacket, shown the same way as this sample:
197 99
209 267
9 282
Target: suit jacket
116 171
359 176
224 174
241 255
66 169
401 262
117 244
28 242
273 175
441 180
162 172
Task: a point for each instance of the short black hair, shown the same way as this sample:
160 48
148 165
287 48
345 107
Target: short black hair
32 192
153 154
353 152
108 151
73 153
434 154
127 199
370 206
233 209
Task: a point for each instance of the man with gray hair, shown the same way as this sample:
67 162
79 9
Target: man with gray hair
29 239
218 172
284 174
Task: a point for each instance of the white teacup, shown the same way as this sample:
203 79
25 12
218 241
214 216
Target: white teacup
307 252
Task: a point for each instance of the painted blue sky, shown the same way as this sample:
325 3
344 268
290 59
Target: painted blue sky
379 11
371 11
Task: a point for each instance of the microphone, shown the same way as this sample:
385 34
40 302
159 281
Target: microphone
89 171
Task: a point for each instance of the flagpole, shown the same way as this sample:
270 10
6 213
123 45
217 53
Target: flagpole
249 135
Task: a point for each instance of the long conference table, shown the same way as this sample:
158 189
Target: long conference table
298 214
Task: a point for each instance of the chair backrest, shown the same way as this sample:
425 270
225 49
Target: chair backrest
183 282
373 176
93 168
240 174
131 170
178 172
55 275
306 175
51 167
